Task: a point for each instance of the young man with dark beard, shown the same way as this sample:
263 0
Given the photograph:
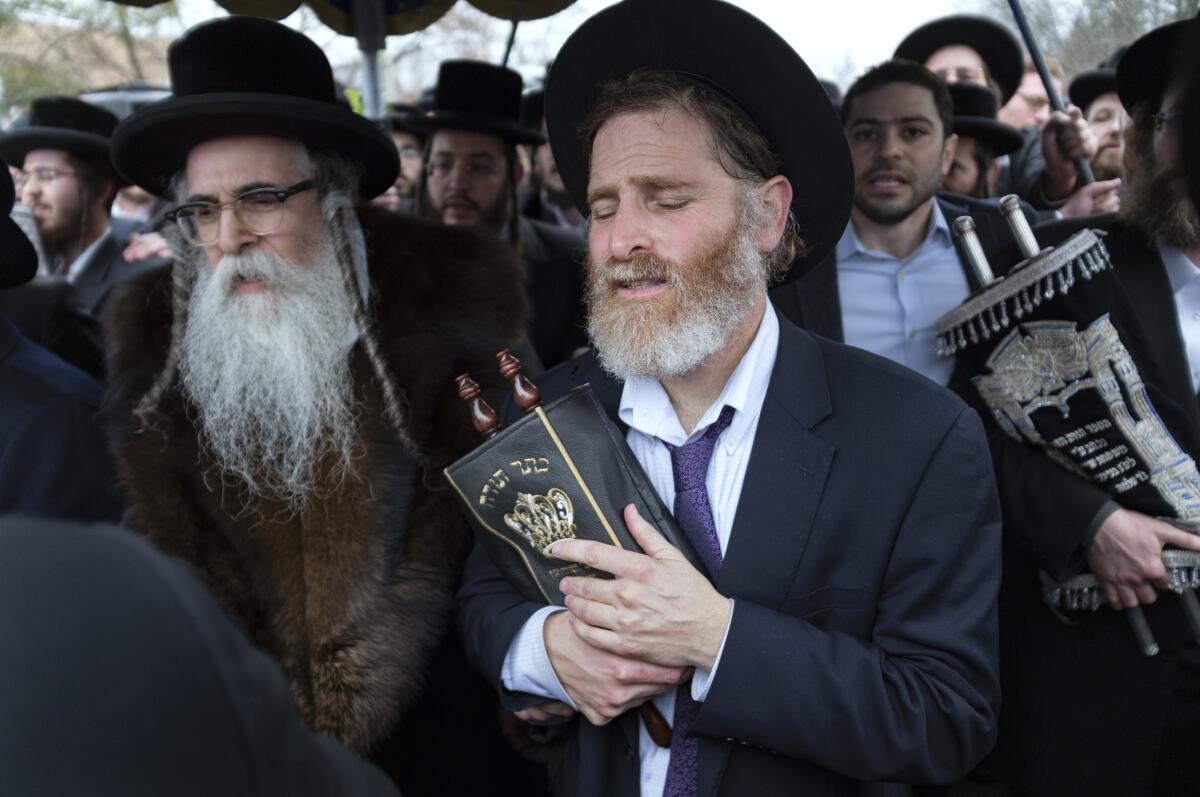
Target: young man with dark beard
1084 711
67 180
819 618
470 178
897 268
284 402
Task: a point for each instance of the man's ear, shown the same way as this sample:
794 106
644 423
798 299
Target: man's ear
949 147
993 176
777 197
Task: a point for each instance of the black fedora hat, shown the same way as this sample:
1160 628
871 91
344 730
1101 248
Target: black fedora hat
998 48
1151 63
63 123
479 97
247 76
18 259
731 51
403 118
975 117
1087 86
1090 84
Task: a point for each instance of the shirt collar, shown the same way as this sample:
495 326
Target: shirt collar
646 407
939 230
1180 270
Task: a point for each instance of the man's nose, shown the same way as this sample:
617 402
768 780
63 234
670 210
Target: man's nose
232 235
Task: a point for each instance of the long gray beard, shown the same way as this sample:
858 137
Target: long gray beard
633 340
269 372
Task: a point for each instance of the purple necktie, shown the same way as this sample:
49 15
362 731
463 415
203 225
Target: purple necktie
694 515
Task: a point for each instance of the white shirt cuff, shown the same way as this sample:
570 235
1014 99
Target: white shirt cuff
527 666
702 679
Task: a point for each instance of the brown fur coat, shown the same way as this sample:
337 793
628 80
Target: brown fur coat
354 596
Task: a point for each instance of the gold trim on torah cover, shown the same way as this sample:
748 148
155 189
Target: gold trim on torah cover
528 487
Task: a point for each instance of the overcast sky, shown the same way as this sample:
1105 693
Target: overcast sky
838 39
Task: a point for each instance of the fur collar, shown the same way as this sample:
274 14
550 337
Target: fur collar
354 595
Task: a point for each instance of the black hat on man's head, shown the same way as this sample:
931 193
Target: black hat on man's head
730 51
1151 63
63 123
998 48
403 118
1090 84
18 259
481 98
975 117
246 76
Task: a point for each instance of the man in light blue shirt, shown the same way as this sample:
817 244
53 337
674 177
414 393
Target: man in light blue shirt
896 269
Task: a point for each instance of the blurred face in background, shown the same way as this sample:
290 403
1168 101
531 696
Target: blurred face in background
466 178
1106 116
1030 106
409 148
958 64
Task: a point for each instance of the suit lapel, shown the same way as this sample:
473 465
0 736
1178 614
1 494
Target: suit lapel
762 557
93 282
816 295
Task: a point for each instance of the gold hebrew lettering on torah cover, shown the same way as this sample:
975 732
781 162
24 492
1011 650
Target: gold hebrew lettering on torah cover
561 471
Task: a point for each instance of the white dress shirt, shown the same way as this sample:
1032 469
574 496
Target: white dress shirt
646 409
1185 284
890 306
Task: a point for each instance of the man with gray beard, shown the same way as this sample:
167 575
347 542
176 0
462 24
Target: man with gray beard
818 618
283 398
1142 740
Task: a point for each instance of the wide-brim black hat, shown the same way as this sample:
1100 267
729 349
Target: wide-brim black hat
246 76
730 50
1000 138
998 48
481 98
1087 86
1190 133
975 117
18 258
1150 64
403 118
63 123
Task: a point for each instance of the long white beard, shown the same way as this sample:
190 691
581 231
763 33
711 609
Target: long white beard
650 341
269 372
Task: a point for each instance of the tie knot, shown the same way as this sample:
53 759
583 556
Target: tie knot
690 460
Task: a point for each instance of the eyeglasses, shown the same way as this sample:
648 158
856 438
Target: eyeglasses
260 211
44 174
1167 119
473 169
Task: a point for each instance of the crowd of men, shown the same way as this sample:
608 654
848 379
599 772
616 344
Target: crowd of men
230 325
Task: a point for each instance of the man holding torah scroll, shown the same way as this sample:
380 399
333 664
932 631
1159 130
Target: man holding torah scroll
1085 712
842 630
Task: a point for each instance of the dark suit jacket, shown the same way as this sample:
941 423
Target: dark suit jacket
54 459
121 661
863 641
47 312
1086 674
813 302
105 272
553 259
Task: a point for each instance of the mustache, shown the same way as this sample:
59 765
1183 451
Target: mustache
462 199
642 266
255 266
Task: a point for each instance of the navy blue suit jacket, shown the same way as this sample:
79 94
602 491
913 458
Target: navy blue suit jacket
54 460
864 560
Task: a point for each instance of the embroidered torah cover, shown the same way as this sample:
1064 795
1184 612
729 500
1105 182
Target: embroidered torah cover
563 471
1048 351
